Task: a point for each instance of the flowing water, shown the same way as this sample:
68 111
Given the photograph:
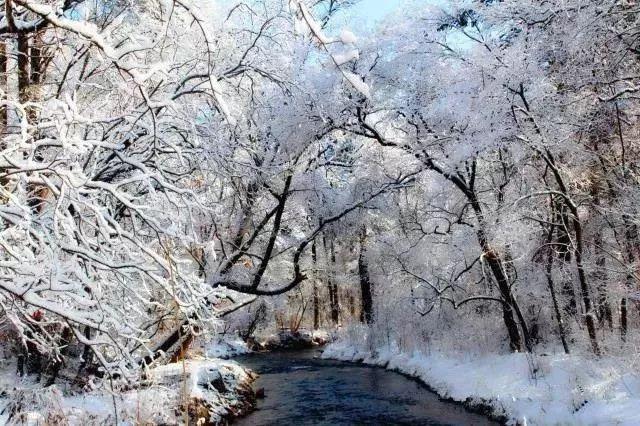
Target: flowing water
302 389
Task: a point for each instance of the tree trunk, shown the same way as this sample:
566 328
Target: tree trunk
582 279
623 319
510 306
366 312
352 304
515 340
316 299
630 243
550 284
605 314
23 68
599 276
563 241
562 247
578 249
334 304
4 88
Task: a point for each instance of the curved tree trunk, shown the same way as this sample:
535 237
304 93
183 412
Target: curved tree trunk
517 343
510 308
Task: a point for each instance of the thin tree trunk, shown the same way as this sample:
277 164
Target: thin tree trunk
23 68
563 249
366 312
333 288
599 276
550 284
352 304
582 278
335 303
623 319
564 235
4 88
605 314
630 242
578 249
316 299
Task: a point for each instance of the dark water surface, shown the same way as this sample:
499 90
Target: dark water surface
304 390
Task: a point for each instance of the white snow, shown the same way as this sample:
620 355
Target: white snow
157 401
348 56
313 25
220 97
225 347
357 82
527 389
347 37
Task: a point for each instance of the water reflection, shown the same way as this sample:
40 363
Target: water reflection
304 390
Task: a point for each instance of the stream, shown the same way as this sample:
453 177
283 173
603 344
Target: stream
302 389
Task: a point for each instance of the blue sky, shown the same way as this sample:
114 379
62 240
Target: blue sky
368 13
374 10
364 15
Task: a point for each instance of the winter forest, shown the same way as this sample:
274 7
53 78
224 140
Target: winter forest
450 191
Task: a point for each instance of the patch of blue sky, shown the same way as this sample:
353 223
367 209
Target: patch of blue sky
365 15
373 11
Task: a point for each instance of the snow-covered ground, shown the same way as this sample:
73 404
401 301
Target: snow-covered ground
526 389
300 339
205 390
225 347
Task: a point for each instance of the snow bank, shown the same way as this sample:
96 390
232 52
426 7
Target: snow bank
199 391
226 347
524 388
301 339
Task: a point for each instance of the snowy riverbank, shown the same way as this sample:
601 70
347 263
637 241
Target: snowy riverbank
207 387
197 391
525 389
